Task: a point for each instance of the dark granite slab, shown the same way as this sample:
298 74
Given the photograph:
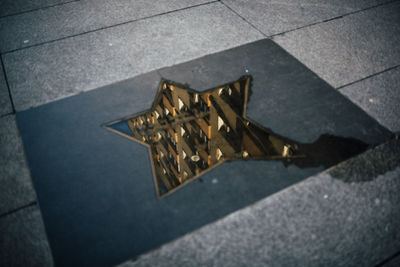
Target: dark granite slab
96 190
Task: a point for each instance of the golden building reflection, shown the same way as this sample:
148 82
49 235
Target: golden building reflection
190 132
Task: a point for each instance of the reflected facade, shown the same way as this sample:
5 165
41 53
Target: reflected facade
189 132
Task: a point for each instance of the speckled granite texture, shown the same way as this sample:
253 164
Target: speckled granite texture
321 221
352 45
79 17
23 240
5 103
275 17
347 49
77 164
379 97
15 182
96 59
13 7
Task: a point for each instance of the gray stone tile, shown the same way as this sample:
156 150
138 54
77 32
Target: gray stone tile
76 164
52 71
379 97
345 50
393 262
272 17
78 17
328 219
5 103
15 183
9 7
23 240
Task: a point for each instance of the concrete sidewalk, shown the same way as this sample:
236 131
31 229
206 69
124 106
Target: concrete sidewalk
52 49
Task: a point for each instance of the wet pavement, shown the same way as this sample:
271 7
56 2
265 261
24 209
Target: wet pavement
56 52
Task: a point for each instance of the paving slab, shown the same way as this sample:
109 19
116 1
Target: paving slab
348 49
15 181
78 17
333 218
52 71
5 102
393 262
23 240
10 7
379 97
273 17
99 185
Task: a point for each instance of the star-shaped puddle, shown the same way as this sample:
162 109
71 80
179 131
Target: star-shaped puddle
189 133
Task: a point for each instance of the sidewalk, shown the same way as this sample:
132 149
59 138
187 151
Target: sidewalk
53 49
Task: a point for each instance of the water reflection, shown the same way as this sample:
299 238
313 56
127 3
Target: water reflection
189 133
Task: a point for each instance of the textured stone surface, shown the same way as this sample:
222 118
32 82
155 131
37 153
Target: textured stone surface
288 94
393 262
9 7
100 185
384 158
272 17
379 97
344 56
15 182
5 103
321 221
52 71
23 240
345 50
78 17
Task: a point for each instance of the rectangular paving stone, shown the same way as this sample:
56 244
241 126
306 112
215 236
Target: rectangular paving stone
379 97
10 7
99 185
345 50
23 239
5 103
15 181
324 220
52 71
78 17
273 17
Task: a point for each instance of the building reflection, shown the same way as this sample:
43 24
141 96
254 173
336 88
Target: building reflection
189 132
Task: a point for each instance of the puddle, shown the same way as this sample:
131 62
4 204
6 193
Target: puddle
189 133
371 164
